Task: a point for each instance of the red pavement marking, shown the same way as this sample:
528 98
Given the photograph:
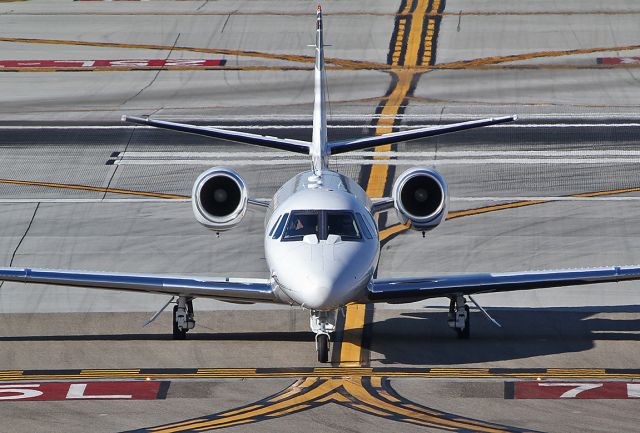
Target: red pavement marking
574 390
618 60
56 391
135 63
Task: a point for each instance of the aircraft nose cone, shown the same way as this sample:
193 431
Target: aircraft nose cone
326 278
318 291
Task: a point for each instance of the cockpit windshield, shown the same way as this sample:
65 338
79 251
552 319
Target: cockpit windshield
343 224
322 224
300 224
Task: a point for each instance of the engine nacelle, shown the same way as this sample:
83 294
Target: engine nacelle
219 198
420 197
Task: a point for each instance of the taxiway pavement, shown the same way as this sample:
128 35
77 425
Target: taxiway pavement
77 190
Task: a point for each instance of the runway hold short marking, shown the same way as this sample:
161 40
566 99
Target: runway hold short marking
618 60
572 390
59 391
114 64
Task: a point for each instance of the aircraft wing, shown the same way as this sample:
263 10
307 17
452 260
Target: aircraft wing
291 145
400 290
225 289
412 134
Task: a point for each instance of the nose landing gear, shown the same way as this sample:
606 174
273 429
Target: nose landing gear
459 317
323 323
322 347
183 319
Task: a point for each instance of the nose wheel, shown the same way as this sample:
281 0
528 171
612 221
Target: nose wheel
322 347
323 323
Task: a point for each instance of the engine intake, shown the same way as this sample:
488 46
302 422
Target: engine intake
219 198
420 197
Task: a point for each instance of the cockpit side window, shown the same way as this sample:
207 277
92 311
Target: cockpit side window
343 223
280 228
273 228
363 226
302 223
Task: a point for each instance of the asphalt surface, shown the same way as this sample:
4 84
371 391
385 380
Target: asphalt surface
568 328
78 190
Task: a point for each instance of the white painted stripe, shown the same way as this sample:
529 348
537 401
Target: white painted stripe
437 117
400 162
544 198
633 390
565 125
264 126
187 200
401 154
93 200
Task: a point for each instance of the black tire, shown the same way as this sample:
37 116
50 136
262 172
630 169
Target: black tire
177 333
465 334
323 348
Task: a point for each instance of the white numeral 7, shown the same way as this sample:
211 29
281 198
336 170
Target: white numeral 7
577 388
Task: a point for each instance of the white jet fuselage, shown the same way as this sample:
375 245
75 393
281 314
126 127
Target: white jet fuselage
321 271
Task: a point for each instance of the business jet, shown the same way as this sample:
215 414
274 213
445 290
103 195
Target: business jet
321 236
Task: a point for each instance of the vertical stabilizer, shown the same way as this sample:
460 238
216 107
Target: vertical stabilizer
319 150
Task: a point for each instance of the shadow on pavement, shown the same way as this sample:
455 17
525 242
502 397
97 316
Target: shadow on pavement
423 338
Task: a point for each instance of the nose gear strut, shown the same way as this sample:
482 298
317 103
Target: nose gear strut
323 323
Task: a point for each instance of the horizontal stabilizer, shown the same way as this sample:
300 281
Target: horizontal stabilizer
395 137
290 145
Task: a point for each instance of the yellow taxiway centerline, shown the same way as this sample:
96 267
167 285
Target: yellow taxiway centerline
410 42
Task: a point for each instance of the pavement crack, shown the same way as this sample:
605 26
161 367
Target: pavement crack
224 26
202 5
155 77
24 235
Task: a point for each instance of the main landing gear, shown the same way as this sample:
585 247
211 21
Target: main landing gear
323 323
459 318
183 319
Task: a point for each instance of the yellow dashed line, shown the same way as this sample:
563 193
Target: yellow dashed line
337 373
